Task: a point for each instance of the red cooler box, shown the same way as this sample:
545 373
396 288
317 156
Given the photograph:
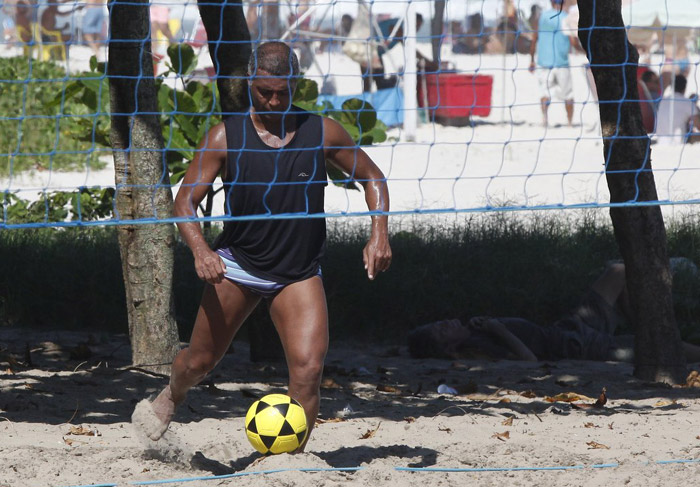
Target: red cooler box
454 98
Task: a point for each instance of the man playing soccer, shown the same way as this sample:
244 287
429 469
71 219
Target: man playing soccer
271 161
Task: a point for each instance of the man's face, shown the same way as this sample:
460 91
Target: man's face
271 94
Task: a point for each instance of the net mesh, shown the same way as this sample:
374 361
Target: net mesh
494 132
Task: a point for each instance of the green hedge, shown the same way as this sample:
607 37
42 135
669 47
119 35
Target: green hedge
500 265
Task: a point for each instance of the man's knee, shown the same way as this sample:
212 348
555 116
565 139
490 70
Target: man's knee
200 364
307 372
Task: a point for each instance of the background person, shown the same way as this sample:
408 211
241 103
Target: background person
375 71
677 117
275 259
649 88
92 25
586 333
552 44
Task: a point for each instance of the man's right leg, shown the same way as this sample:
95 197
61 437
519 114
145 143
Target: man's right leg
222 311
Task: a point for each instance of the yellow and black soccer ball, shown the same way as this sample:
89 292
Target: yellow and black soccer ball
276 424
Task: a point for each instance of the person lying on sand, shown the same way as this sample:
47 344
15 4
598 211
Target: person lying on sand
586 333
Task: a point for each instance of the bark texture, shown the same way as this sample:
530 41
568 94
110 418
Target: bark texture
639 230
229 48
143 190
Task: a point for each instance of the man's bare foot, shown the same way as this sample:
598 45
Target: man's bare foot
154 418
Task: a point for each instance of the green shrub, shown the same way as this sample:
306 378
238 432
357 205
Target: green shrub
37 134
533 266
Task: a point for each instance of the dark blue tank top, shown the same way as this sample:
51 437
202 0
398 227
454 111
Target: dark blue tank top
260 181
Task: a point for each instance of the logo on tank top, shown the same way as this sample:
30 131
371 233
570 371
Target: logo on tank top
302 175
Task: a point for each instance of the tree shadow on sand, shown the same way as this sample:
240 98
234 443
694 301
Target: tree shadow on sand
382 382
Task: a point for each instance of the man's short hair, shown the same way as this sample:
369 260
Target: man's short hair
275 58
679 84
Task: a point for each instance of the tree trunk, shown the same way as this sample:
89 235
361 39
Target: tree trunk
230 50
142 189
639 229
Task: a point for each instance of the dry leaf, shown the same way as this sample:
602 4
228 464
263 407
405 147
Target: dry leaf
693 379
599 403
567 397
82 430
597 446
507 422
502 436
329 383
446 430
72 442
610 425
602 399
370 433
529 394
664 402
329 420
409 419
386 388
590 425
505 400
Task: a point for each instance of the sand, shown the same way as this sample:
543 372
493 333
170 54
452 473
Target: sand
501 420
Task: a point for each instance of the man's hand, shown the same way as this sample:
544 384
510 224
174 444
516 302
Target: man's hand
376 255
209 266
532 67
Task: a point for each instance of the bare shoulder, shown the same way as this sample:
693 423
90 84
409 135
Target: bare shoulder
215 138
334 134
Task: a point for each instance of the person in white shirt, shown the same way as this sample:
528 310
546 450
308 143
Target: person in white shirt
677 117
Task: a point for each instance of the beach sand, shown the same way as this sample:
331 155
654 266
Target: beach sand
64 421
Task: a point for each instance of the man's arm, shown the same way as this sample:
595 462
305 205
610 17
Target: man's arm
203 170
342 152
499 330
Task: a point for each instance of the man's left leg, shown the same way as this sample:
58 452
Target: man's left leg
301 317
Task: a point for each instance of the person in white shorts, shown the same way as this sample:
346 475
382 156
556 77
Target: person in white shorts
677 117
552 44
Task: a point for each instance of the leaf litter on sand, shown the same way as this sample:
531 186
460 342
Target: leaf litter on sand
502 436
370 433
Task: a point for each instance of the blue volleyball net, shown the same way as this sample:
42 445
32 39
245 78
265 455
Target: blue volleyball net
442 95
